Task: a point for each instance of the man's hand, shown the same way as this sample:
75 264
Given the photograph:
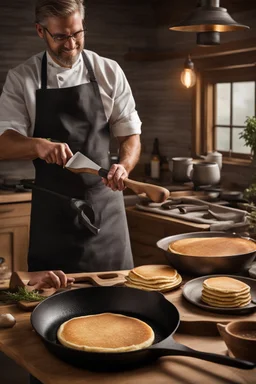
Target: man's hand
53 153
115 178
50 279
14 146
129 152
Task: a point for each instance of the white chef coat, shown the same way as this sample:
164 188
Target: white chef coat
18 99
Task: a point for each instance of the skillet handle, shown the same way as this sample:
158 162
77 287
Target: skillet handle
171 348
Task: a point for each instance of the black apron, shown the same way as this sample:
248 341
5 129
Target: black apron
59 239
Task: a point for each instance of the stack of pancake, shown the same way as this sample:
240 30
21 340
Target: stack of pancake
225 292
105 332
161 278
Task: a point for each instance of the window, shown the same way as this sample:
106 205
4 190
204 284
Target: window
223 100
233 102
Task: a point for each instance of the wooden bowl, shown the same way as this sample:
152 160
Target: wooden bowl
240 338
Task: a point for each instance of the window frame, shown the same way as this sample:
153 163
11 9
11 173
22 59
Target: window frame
231 126
203 103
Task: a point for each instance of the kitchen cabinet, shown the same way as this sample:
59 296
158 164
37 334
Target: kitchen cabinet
14 229
146 229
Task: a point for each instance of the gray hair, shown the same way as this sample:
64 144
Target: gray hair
57 8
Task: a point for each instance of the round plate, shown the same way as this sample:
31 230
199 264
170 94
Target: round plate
192 292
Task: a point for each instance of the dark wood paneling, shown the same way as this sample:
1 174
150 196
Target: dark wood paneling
169 12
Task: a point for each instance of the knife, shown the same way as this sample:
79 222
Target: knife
79 163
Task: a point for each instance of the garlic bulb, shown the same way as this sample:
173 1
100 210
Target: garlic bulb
7 320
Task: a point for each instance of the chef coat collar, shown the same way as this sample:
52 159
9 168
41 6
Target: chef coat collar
52 63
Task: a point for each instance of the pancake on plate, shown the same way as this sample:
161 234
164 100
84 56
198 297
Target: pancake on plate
155 272
105 332
212 246
153 277
226 292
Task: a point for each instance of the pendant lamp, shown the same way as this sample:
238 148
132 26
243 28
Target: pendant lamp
188 76
208 20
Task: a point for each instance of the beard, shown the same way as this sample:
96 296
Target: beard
60 54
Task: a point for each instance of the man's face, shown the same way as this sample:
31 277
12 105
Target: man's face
64 53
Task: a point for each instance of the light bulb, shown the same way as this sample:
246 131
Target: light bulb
188 77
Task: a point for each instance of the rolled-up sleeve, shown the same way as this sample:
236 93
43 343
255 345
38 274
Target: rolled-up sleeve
124 120
13 111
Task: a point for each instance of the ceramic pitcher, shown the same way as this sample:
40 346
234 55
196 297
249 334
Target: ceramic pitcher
214 157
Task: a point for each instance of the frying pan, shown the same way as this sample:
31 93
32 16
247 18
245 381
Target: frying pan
203 265
151 307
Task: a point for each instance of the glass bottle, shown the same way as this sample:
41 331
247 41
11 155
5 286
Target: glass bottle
155 160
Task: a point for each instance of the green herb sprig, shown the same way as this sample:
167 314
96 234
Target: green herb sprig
23 294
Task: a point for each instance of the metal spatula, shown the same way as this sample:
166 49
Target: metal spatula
80 163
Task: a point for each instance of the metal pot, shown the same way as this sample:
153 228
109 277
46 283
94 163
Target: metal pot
202 265
205 173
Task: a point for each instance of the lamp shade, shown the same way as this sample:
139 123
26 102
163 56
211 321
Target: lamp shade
208 17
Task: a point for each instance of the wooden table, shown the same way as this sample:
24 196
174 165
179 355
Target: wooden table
23 346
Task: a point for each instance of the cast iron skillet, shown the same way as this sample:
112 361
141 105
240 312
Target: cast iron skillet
151 307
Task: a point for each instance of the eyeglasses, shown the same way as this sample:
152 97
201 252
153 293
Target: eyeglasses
61 38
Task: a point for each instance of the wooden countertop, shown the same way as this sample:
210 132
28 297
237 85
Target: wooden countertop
14 197
21 344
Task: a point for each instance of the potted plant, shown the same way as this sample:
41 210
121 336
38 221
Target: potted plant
249 135
250 192
250 208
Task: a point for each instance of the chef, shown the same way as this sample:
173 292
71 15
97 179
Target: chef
58 102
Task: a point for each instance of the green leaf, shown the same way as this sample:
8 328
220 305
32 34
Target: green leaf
249 133
23 294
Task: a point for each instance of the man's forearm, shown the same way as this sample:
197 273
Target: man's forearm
14 146
129 151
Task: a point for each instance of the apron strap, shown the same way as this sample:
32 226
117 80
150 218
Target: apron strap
44 72
92 77
89 68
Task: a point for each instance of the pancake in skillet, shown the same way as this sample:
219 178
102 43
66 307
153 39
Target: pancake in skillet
212 246
105 332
